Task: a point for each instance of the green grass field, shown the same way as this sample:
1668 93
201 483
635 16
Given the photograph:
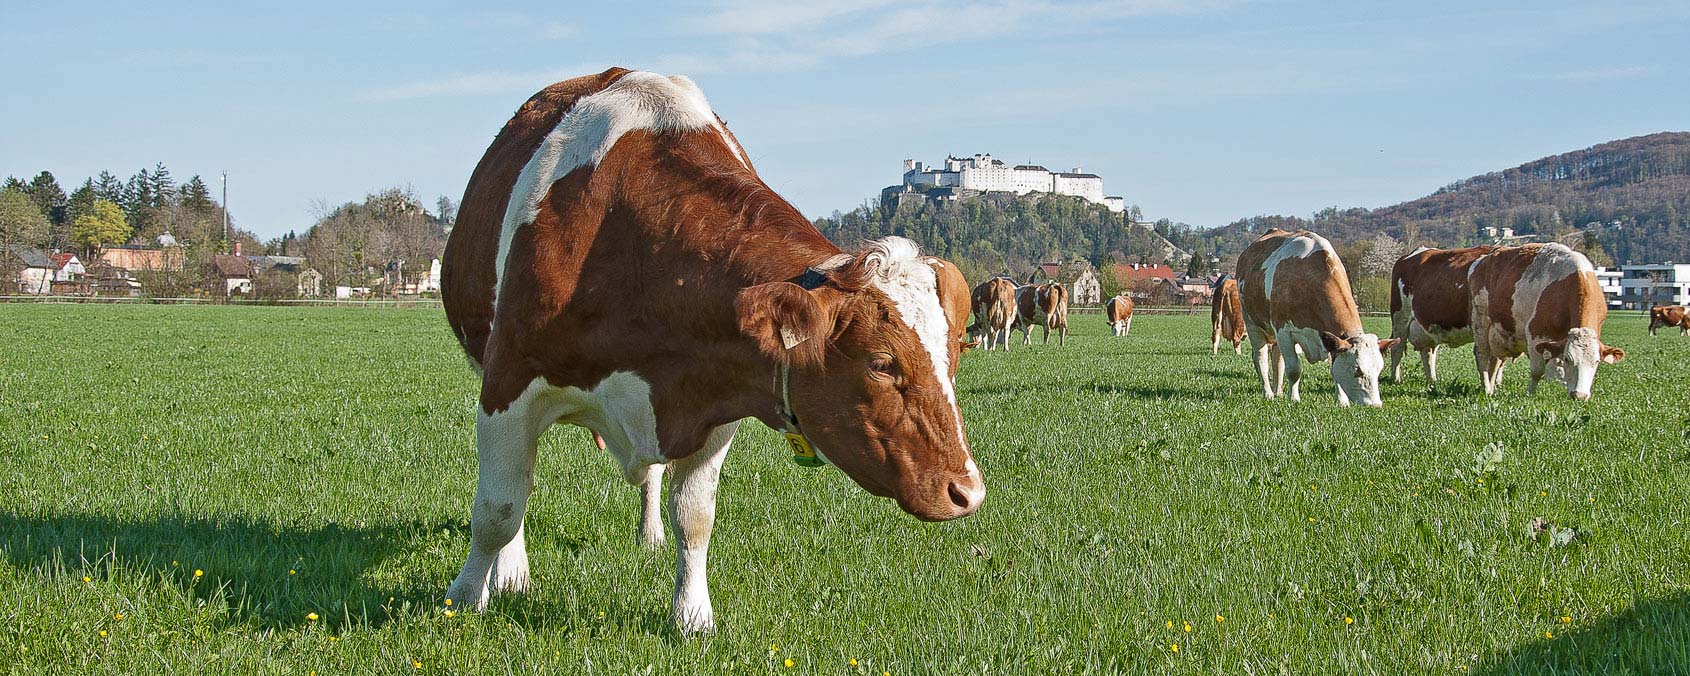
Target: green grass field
319 463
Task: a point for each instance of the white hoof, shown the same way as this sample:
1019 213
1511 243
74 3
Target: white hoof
470 594
695 619
652 537
510 572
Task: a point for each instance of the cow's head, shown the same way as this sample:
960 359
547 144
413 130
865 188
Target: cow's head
1576 357
873 351
1356 363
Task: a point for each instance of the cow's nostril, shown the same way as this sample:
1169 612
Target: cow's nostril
959 497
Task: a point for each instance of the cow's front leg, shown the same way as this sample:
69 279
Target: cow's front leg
498 556
692 512
651 507
1293 370
1539 364
1429 357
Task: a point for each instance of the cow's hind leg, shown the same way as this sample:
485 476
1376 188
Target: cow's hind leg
1128 329
498 556
692 511
1264 359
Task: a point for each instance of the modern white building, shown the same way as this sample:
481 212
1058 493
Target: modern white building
988 174
1642 286
1609 279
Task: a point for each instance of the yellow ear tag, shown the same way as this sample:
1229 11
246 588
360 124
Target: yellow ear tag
802 454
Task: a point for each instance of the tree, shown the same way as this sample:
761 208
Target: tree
21 224
447 210
102 225
108 188
44 190
1378 259
194 194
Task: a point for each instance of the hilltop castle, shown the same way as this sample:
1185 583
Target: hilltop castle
984 173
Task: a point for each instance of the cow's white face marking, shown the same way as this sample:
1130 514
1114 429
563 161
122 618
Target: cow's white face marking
637 100
1579 359
913 287
1356 371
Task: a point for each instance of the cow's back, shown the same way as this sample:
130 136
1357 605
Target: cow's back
468 274
1295 278
1432 285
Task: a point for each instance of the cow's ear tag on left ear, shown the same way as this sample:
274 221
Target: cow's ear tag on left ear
791 339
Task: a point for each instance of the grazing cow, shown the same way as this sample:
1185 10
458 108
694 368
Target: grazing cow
1296 297
1430 304
994 311
1669 316
1043 305
1541 300
1227 315
617 264
1119 312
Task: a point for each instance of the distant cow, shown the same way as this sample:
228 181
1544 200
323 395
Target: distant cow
1119 312
1296 298
1541 300
993 302
1669 316
1430 305
1043 305
618 265
1226 314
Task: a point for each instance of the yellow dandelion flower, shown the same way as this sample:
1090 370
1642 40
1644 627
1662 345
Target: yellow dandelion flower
1170 624
1187 627
415 664
1218 618
1349 620
118 616
1543 493
788 663
1566 619
292 571
1311 519
311 616
85 578
448 601
332 639
1173 647
853 662
772 647
103 633
1549 634
199 573
450 613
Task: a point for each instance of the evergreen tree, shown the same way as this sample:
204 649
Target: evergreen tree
108 188
163 187
44 190
194 195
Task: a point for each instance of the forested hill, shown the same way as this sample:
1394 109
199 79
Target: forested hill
1633 193
1002 233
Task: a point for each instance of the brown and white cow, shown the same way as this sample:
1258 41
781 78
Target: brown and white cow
1119 312
617 264
1430 304
993 303
1669 316
1226 314
1043 305
1541 300
1296 298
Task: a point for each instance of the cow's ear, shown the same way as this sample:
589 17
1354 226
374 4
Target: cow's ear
1333 342
1387 344
1611 354
788 322
1550 349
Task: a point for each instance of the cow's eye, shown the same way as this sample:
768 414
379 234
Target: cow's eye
882 363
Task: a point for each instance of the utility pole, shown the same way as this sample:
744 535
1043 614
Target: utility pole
225 212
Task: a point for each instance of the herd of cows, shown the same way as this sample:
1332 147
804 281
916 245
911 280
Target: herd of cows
617 264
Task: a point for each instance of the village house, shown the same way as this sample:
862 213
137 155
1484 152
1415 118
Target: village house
36 275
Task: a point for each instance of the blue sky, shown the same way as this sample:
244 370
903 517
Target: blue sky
1202 111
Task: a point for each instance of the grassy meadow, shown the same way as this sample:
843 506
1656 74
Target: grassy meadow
286 490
